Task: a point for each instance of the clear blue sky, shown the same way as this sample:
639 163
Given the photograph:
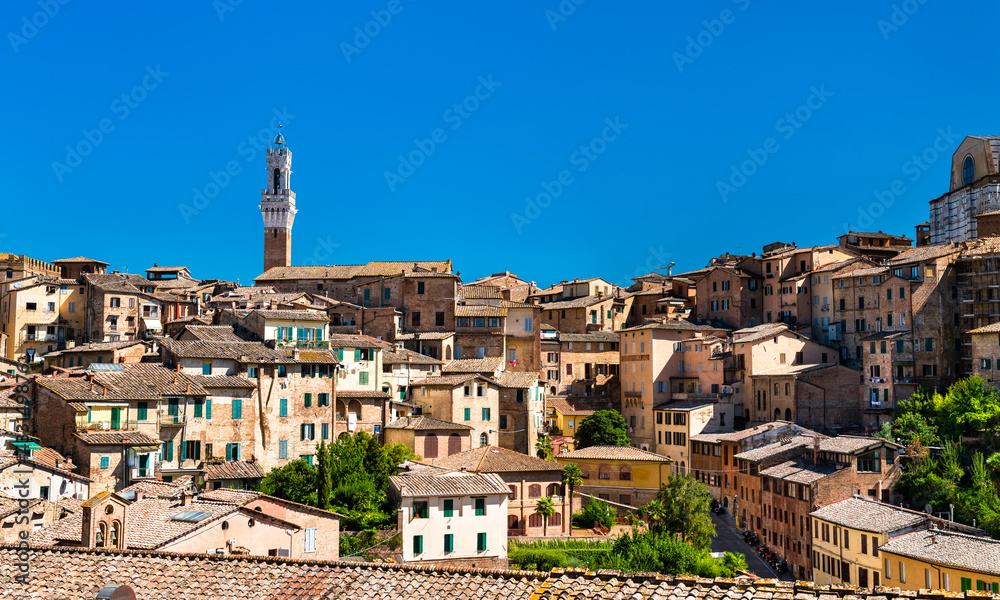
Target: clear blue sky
688 112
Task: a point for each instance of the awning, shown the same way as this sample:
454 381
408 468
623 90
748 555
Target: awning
152 324
150 448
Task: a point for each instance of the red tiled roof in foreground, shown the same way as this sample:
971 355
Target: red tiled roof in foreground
81 573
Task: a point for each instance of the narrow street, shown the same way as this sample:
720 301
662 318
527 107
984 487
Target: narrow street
728 540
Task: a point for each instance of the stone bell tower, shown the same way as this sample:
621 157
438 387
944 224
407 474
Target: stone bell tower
277 206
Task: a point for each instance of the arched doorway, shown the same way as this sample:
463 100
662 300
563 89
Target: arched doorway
512 522
788 414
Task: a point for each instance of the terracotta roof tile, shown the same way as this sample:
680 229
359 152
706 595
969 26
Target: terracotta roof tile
480 310
474 365
424 423
959 550
869 515
492 459
613 453
450 483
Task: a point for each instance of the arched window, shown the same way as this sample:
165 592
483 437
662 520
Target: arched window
341 411
776 392
788 389
454 444
277 181
354 409
777 414
584 471
447 352
114 540
555 519
534 520
604 472
625 473
102 535
430 446
683 468
968 170
554 489
788 414
511 521
513 492
484 440
534 490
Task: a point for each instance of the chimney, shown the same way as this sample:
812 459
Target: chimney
295 354
139 495
105 390
59 462
185 499
91 385
189 389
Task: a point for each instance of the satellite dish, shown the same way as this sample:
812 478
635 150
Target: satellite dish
928 508
17 285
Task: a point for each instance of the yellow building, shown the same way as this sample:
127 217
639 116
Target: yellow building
619 474
942 560
676 422
40 316
846 537
564 414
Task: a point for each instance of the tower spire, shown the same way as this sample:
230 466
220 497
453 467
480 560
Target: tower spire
277 205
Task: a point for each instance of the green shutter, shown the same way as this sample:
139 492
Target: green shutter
481 542
418 540
326 431
449 508
468 414
966 584
229 452
340 354
308 400
142 411
357 354
449 542
237 408
116 418
480 507
283 449
208 408
283 407
319 334
199 408
184 451
363 378
302 431
168 450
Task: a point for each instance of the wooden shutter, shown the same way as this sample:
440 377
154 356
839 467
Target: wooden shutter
208 408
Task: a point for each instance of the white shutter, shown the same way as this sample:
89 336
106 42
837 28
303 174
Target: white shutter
310 539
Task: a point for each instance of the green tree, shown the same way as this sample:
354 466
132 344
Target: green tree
909 427
596 512
543 447
971 407
324 478
686 509
546 508
295 481
603 428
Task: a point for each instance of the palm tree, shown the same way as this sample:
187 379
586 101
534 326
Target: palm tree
572 476
655 513
546 508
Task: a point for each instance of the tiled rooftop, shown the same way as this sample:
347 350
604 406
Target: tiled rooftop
491 459
233 469
80 573
516 379
452 483
613 453
293 315
213 333
869 515
480 310
423 423
959 550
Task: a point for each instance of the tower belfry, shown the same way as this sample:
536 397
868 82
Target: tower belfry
277 205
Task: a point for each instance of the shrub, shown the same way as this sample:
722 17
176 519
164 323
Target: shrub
541 559
595 511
